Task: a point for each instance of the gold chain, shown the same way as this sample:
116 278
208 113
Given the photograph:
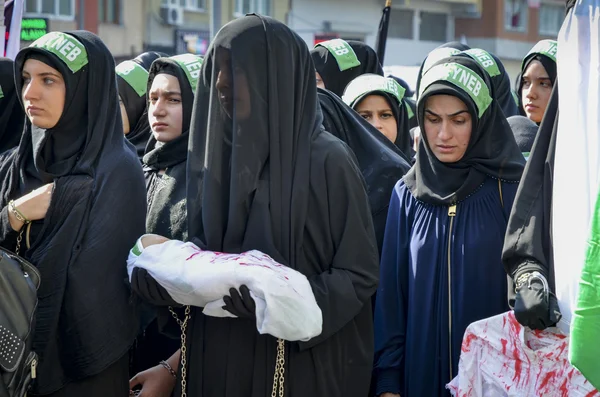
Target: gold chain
279 378
183 364
19 239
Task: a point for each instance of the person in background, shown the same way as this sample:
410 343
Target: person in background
338 62
12 116
72 202
132 77
538 75
525 132
440 266
409 102
380 101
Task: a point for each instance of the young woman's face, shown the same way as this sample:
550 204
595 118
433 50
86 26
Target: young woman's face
378 112
447 127
124 117
233 88
44 92
320 82
536 91
165 109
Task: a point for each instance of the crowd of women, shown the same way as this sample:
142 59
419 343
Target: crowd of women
393 205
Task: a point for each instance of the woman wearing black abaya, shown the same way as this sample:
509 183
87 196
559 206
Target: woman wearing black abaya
11 113
74 161
380 101
537 78
170 99
132 78
263 175
335 71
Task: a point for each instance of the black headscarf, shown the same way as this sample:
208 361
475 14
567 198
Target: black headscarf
492 149
444 51
12 116
525 132
132 78
381 162
327 66
84 320
501 84
545 53
393 93
160 156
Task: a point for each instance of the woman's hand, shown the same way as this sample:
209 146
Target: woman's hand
156 382
33 206
153 239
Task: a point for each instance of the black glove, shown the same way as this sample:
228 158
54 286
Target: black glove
144 285
243 305
535 306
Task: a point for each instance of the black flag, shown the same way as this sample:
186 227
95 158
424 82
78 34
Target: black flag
383 31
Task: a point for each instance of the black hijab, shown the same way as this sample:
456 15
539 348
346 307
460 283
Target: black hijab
444 51
393 93
501 84
92 221
525 132
492 150
12 116
183 67
545 53
132 79
337 71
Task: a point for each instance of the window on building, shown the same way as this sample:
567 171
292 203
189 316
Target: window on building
515 15
433 27
110 11
51 8
551 18
243 7
401 26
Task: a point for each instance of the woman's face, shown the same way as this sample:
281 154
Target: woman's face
536 91
233 88
320 82
165 108
378 112
448 126
124 117
44 92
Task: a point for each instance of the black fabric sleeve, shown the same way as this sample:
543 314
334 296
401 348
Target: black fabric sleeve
8 236
528 242
343 290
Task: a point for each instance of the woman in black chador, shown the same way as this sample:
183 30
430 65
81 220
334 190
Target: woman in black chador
263 174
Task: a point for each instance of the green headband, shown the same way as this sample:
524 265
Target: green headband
342 52
66 47
367 83
191 65
437 55
135 75
485 60
463 78
548 48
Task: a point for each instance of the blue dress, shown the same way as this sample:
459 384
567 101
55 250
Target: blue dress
421 314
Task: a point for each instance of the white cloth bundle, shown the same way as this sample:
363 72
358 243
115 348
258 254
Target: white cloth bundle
501 358
285 304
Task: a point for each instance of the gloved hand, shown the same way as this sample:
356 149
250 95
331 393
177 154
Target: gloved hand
144 285
243 305
535 306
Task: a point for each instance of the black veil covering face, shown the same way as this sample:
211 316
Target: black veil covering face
338 72
492 150
501 85
12 117
132 78
85 322
262 174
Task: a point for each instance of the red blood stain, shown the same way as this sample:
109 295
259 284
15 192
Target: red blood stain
504 344
518 366
549 376
564 388
193 255
466 346
593 393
